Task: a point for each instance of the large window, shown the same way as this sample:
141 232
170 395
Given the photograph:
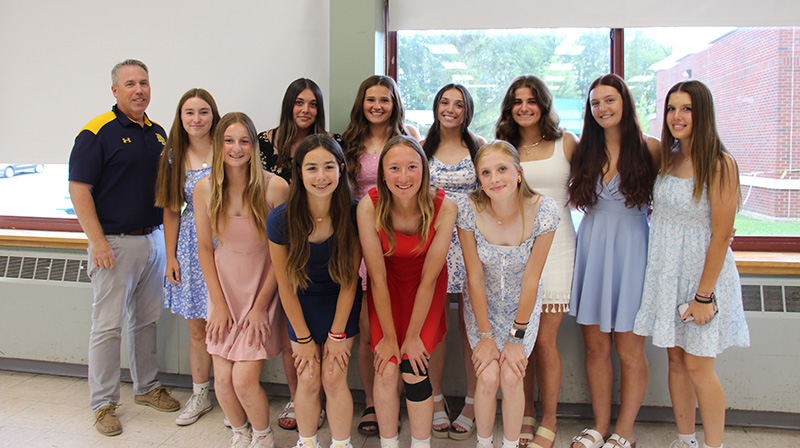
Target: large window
752 73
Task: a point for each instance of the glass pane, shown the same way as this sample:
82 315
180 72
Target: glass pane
486 61
752 73
36 190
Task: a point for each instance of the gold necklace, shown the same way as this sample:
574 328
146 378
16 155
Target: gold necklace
532 145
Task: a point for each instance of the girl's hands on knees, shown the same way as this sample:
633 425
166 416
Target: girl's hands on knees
417 354
258 331
305 355
483 355
385 350
514 355
219 322
337 352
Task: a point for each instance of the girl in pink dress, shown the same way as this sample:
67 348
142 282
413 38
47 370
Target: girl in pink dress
232 206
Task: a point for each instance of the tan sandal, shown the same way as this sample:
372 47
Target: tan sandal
545 434
525 438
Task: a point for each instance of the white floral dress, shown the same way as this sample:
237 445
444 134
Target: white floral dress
503 268
680 231
457 181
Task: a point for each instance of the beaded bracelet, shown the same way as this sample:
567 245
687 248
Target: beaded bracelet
488 335
337 336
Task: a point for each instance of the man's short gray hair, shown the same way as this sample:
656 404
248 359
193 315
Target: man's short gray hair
126 62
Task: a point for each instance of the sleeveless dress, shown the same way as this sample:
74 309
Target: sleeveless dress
242 261
269 158
319 300
457 181
366 179
550 177
403 274
189 297
680 231
503 268
610 261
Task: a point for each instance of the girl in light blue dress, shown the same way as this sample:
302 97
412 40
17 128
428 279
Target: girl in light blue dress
505 231
692 302
187 159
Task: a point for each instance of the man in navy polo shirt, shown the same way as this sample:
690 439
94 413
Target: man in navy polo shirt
112 177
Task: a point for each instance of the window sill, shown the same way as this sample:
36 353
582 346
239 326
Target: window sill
748 262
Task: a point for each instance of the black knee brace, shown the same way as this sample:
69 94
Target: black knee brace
419 391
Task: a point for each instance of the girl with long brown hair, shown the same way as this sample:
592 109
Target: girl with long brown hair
692 303
376 116
186 159
317 272
529 121
243 322
611 181
405 229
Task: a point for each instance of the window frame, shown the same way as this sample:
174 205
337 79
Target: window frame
751 243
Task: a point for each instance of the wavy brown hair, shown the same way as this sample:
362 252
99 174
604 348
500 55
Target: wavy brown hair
172 166
524 191
358 128
706 148
635 165
299 223
434 137
507 129
287 128
425 196
253 196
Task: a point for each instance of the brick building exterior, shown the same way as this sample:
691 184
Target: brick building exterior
754 75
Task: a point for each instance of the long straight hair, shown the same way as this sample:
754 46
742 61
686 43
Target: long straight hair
635 164
171 167
434 137
253 196
425 196
300 223
507 129
287 128
358 128
706 148
524 191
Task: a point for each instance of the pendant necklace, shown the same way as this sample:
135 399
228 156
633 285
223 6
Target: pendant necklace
532 145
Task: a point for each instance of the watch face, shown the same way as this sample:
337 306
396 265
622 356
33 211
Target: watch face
517 333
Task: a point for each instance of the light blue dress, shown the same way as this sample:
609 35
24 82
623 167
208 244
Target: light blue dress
503 268
457 181
680 231
190 296
609 262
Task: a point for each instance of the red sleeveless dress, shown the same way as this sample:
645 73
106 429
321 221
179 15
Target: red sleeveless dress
403 274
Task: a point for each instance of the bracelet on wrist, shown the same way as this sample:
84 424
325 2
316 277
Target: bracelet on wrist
704 300
704 295
488 335
337 336
517 333
520 324
514 340
305 340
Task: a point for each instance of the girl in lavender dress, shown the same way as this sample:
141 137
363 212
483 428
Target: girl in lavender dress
186 160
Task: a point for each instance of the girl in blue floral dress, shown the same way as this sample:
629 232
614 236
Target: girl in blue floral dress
187 159
505 231
694 205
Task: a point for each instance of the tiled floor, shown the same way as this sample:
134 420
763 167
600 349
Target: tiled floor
50 411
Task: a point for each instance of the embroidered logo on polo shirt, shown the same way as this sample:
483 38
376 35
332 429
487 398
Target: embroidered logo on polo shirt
161 139
126 140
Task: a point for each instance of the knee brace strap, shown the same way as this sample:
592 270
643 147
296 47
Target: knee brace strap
419 391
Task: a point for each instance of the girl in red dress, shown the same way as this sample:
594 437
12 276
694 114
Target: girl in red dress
405 229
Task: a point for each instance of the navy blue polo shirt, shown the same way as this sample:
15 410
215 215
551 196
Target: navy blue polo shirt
119 158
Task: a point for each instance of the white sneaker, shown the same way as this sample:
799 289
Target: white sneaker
681 444
265 441
346 445
241 439
226 422
197 406
305 443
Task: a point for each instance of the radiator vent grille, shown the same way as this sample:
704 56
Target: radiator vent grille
46 269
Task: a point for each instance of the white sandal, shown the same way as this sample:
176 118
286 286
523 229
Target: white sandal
596 441
464 422
441 418
617 441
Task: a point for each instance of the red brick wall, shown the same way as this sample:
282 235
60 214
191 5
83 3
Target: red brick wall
755 79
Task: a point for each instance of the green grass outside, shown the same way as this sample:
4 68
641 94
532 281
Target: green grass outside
746 225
